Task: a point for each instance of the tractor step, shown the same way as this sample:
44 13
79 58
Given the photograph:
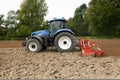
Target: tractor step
89 48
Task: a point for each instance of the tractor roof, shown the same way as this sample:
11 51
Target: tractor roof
57 19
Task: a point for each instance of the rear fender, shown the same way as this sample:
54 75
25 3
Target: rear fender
64 30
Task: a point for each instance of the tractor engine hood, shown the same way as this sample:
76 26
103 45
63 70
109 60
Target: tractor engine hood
41 33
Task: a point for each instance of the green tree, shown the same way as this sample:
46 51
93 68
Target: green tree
70 24
11 23
78 23
1 20
23 31
104 17
31 14
12 19
2 29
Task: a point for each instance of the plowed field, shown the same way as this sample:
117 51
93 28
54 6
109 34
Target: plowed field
16 63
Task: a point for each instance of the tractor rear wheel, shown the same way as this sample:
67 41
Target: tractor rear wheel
33 45
65 42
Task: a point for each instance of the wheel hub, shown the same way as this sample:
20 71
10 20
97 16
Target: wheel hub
32 46
64 42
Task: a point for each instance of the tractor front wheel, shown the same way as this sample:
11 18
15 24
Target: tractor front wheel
33 45
65 42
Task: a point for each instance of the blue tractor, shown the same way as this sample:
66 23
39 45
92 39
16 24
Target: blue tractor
57 35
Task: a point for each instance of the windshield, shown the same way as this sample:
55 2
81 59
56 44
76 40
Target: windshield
55 25
58 24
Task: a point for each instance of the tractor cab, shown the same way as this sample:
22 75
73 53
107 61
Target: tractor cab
56 24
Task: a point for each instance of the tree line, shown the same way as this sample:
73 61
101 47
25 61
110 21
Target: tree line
21 23
99 18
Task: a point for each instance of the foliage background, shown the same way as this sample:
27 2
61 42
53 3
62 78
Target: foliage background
100 18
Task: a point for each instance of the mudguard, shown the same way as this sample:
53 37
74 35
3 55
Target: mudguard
38 38
32 37
63 30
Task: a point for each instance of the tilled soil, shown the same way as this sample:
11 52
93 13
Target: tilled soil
16 63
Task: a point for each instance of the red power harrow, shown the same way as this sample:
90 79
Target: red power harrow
90 48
